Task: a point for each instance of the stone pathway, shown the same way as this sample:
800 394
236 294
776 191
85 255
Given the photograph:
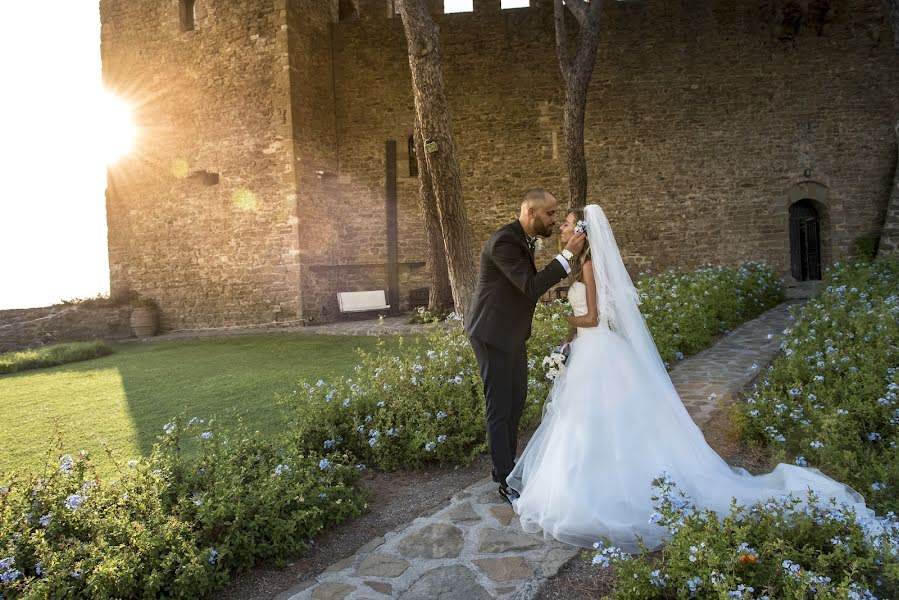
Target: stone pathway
473 548
705 379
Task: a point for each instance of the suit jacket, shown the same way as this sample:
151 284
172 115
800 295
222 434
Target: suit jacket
508 289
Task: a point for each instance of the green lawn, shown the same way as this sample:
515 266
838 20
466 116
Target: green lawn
125 399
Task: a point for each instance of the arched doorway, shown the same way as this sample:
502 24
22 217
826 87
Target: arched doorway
805 241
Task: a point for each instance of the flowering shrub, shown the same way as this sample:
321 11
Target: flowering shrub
425 405
685 311
832 398
787 548
173 525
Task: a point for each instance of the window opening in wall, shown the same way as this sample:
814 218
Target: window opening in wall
187 14
413 158
504 4
205 177
458 6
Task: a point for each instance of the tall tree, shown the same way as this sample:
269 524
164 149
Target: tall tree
577 69
432 116
889 235
441 296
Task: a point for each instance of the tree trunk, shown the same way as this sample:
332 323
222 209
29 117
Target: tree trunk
441 296
432 114
576 72
889 234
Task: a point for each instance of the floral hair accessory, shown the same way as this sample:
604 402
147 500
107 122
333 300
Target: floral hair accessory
580 227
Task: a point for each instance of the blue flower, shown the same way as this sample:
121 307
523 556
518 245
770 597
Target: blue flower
169 428
206 435
441 415
65 463
441 438
213 556
73 501
324 464
76 573
430 446
45 520
800 461
329 444
283 469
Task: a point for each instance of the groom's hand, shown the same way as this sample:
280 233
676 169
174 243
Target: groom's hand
576 243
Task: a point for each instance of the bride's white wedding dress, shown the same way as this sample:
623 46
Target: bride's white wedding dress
614 422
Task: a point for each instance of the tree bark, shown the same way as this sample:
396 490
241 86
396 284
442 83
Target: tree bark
577 70
441 296
889 234
432 114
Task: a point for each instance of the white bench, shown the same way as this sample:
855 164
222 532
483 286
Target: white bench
362 301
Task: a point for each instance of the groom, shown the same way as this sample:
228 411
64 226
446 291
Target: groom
498 322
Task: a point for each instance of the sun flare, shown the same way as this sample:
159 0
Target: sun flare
114 124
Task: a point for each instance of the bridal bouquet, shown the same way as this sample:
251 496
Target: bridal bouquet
554 364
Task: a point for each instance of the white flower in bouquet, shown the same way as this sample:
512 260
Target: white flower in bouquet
554 364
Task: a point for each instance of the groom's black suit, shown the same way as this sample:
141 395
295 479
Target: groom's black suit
498 324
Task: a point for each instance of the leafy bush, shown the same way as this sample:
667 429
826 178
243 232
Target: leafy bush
833 396
174 525
685 311
865 247
49 356
425 405
787 548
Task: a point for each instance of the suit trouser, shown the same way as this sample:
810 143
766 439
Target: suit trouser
505 375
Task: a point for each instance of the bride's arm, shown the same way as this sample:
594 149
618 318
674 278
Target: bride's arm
591 319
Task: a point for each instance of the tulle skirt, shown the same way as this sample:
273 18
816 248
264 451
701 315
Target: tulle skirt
611 425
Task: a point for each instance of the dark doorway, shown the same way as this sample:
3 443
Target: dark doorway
805 241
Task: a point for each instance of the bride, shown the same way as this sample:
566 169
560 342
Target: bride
614 422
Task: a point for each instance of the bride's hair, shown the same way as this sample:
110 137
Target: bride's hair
577 266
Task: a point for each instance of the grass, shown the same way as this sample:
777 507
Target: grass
125 399
49 356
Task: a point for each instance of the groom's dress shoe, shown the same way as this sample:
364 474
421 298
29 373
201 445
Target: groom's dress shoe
507 493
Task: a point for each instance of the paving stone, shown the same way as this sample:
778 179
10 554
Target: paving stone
437 540
340 565
371 545
463 513
379 586
505 569
494 541
378 565
332 591
503 513
455 582
294 592
554 560
491 497
502 591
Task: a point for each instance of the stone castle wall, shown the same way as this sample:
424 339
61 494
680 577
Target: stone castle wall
213 100
705 122
34 327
